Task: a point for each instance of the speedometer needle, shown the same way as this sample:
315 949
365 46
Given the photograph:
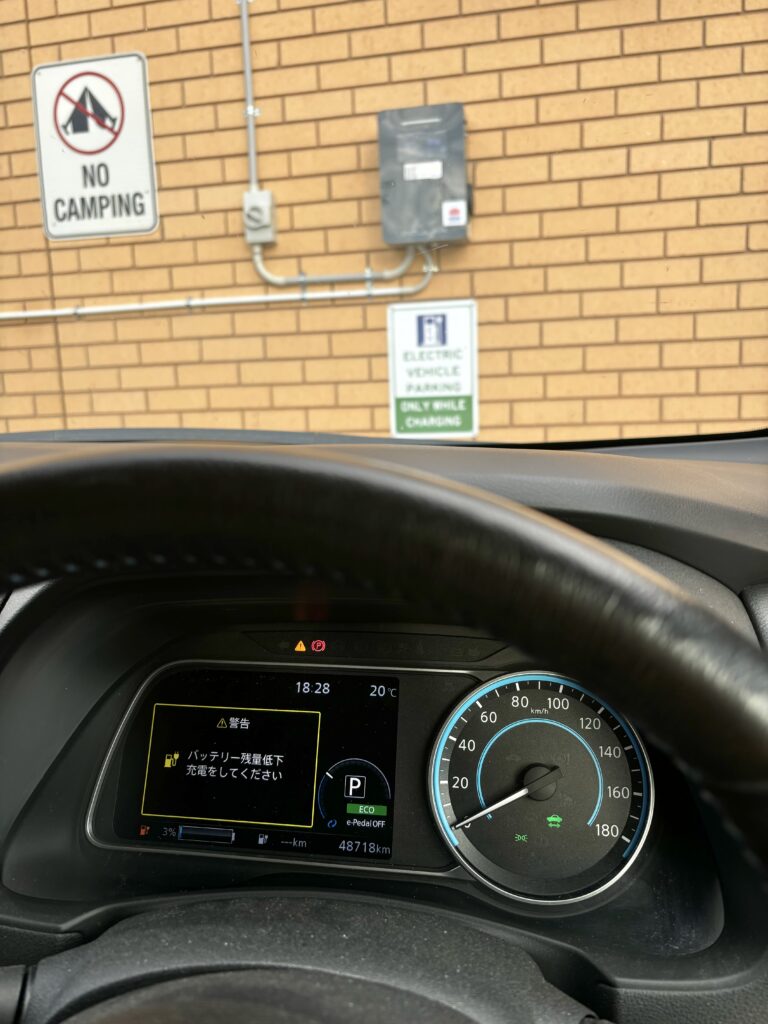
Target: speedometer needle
545 780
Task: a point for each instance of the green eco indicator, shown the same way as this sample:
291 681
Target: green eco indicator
375 810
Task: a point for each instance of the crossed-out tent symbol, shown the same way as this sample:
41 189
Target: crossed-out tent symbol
88 112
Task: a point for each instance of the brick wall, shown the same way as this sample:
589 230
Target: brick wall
619 249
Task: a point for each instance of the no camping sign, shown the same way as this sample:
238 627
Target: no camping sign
94 147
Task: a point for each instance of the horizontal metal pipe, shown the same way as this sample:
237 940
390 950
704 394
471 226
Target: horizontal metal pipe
214 302
304 280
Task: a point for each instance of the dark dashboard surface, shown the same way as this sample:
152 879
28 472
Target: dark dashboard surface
77 853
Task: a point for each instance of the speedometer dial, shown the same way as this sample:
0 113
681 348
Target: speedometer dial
540 789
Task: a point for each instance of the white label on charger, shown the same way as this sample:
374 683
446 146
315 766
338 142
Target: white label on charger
428 170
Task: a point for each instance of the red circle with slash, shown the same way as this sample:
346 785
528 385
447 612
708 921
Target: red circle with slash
83 114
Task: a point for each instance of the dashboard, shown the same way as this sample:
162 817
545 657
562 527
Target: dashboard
539 790
164 737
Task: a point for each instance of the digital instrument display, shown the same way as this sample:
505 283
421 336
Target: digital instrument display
276 761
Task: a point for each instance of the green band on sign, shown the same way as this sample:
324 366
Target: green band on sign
434 415
375 810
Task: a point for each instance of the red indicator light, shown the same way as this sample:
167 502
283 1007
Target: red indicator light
318 646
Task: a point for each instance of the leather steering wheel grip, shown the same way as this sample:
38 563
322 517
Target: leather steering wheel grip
697 688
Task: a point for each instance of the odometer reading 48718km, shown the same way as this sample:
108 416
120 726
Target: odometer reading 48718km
541 790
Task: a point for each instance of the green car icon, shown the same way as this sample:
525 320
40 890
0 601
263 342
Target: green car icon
554 821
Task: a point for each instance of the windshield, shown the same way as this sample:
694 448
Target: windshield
485 219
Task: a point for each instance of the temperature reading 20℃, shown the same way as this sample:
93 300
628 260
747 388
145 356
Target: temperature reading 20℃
540 789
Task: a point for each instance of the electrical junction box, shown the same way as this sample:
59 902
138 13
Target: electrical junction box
258 217
424 191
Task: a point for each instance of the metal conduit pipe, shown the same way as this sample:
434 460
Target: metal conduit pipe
302 280
224 301
251 113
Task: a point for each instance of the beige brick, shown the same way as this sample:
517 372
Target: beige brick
178 399
733 324
701 63
752 351
757 118
755 406
696 299
577 106
372 41
579 222
670 156
619 302
579 332
742 28
561 250
542 139
637 188
755 57
549 360
619 71
740 150
502 55
543 307
207 374
340 17
409 10
622 410
597 163
671 35
500 114
661 272
704 124
548 411
696 354
658 382
737 267
542 197
582 385
340 420
601 13
642 245
730 379
655 328
90 380
276 419
693 407
621 131
538 22
736 89
584 278
641 99
683 184
650 216
733 209
582 46
147 377
538 81
758 236
511 388
682 8
506 282
514 171
706 240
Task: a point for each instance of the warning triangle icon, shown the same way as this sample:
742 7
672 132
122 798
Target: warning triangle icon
222 724
300 646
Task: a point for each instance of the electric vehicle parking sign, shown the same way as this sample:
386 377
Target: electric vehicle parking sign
433 369
94 147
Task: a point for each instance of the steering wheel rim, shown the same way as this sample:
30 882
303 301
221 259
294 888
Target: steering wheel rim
697 688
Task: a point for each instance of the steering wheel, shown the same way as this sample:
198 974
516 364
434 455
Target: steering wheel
459 555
